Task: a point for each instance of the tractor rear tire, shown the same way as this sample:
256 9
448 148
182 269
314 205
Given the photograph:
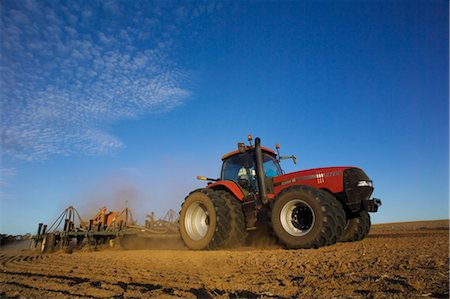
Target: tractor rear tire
204 220
306 217
357 228
238 234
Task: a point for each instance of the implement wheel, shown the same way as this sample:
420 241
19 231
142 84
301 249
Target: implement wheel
204 220
48 243
306 217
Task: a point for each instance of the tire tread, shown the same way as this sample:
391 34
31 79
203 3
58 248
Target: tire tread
237 234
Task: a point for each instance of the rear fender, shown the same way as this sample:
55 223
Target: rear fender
229 186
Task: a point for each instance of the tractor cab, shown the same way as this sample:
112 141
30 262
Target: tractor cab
239 166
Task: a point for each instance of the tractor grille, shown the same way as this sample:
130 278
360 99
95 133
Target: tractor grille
355 194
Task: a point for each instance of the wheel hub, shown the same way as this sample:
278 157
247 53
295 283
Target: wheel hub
297 217
197 221
302 218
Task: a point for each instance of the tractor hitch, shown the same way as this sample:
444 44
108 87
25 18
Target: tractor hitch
372 205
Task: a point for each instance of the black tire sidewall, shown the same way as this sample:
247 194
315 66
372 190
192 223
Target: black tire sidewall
201 198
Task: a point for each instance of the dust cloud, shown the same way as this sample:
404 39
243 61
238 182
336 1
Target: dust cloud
141 195
115 193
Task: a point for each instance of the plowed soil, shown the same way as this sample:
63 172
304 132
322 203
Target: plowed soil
395 261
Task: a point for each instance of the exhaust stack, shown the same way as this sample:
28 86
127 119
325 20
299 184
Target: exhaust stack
260 174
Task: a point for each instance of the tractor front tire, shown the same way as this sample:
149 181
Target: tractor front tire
306 217
357 228
204 220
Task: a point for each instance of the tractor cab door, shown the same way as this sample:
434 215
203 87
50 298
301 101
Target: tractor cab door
240 168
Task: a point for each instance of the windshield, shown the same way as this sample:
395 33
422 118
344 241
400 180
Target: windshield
234 166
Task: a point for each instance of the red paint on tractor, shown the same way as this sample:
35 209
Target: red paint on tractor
229 186
330 178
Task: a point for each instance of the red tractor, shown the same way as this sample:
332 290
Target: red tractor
304 209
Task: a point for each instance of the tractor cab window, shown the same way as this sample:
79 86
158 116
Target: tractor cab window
240 169
271 166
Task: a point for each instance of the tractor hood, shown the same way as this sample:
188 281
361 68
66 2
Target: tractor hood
330 178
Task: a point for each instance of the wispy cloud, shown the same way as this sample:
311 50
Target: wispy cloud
69 71
6 173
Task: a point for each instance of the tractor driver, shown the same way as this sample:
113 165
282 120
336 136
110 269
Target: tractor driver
246 178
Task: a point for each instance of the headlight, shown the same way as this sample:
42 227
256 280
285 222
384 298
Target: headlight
365 184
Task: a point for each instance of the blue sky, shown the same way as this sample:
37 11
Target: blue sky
115 101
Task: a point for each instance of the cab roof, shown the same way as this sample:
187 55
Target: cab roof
248 148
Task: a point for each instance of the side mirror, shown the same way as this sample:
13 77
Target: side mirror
294 158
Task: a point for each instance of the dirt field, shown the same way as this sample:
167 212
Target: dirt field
396 260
